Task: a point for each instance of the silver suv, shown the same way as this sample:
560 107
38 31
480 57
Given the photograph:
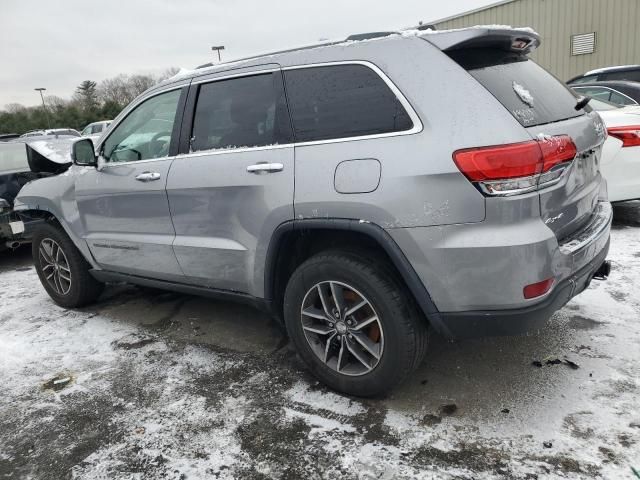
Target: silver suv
361 191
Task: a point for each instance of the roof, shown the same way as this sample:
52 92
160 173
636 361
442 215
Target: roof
611 69
610 83
469 12
319 53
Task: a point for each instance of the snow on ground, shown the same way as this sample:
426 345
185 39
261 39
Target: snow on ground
149 385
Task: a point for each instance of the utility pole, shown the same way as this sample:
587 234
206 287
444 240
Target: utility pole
217 49
44 107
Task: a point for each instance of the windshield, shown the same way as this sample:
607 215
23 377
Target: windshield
13 158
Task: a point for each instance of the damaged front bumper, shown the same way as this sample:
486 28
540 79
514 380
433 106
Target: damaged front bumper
15 228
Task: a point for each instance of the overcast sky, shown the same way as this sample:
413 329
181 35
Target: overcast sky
59 43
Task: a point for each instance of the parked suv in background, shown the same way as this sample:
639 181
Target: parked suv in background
96 129
621 92
360 190
622 72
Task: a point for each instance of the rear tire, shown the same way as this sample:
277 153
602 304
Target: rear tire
376 354
63 271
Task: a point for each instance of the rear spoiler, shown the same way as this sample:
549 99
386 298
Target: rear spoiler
517 40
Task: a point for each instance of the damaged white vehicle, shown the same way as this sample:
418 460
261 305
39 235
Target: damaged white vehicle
21 163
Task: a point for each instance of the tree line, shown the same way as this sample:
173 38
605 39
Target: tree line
91 102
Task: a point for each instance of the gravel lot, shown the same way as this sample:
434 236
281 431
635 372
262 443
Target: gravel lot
148 384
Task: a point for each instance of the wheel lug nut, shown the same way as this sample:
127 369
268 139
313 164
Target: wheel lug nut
331 324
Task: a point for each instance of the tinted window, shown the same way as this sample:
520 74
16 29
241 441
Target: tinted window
146 132
528 91
97 128
590 78
241 112
595 92
342 101
632 75
620 99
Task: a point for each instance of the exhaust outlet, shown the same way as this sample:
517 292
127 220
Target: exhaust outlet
603 271
12 244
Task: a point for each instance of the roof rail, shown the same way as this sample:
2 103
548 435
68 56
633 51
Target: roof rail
369 35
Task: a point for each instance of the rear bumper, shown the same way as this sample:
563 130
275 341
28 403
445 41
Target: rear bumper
526 319
475 274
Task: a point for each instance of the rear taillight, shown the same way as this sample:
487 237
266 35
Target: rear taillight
517 167
630 136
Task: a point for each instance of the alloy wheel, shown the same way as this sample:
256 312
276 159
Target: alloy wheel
55 266
342 328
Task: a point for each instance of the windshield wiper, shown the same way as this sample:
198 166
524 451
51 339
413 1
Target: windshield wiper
582 102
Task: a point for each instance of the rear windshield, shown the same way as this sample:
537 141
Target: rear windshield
529 92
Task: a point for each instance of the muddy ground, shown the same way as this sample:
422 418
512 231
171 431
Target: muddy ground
148 384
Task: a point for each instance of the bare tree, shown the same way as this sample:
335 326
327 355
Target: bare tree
53 102
139 83
115 90
14 107
168 73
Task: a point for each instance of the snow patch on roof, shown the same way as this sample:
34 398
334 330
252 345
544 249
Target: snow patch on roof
479 27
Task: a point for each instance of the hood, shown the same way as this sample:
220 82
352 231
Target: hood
51 156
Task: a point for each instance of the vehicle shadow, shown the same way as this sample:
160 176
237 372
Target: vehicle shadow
15 259
626 214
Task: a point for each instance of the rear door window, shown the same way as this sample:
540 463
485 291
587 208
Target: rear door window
529 92
241 112
599 93
342 101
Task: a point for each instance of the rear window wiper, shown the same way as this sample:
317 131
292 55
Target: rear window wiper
582 102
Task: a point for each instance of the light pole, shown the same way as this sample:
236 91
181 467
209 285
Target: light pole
44 107
217 49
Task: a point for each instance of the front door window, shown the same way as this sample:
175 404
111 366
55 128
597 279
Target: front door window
146 132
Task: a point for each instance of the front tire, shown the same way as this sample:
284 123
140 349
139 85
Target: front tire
353 323
63 271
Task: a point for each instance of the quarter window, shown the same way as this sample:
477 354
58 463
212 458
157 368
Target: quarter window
342 101
146 132
241 112
629 75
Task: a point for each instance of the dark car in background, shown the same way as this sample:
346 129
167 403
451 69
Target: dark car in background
622 72
5 137
620 92
21 163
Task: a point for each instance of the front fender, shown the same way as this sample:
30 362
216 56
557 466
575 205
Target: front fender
56 196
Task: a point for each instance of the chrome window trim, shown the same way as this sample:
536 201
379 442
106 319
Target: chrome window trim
251 73
106 164
415 119
577 87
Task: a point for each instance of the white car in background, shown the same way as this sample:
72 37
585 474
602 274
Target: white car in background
96 129
621 152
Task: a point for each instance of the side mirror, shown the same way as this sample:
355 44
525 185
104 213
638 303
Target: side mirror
83 153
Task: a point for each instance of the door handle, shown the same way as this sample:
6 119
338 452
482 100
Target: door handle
148 176
265 168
